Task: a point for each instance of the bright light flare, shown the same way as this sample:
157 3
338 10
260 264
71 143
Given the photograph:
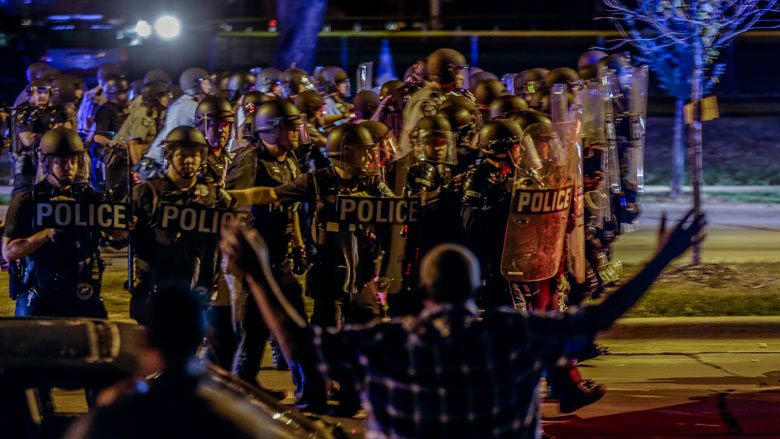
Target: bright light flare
143 29
167 27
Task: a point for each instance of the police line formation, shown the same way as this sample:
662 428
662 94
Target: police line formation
536 172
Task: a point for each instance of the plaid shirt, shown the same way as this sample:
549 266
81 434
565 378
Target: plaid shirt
447 374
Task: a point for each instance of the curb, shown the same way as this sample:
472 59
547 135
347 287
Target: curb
742 327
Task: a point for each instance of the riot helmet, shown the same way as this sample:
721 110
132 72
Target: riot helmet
365 103
389 88
270 80
33 69
309 102
62 155
278 122
530 117
40 92
66 89
590 57
487 90
252 100
417 73
214 117
136 89
107 71
195 81
156 75
239 84
501 140
434 141
334 79
49 73
116 87
194 149
157 94
563 75
445 64
478 77
351 149
459 101
297 81
383 139
507 105
528 82
463 123
620 65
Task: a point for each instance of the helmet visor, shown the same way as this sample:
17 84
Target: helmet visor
436 146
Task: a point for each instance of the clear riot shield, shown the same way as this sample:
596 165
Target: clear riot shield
365 76
608 84
638 112
509 82
570 134
542 191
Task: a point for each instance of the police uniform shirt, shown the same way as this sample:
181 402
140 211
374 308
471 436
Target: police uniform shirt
336 105
424 102
93 99
57 260
274 221
139 125
109 119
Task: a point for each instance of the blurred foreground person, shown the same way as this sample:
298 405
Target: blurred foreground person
173 405
446 373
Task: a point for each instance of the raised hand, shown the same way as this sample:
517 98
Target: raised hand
685 235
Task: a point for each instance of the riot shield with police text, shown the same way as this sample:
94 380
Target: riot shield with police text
541 198
638 114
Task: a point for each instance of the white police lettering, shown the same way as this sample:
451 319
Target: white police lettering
197 219
544 201
373 210
71 214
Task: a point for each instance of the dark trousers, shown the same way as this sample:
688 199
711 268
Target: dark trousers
30 304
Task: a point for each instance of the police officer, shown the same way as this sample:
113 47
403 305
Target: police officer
334 83
171 256
196 85
30 121
239 84
529 82
312 155
278 125
214 117
484 192
444 67
465 120
153 76
108 120
365 104
270 81
63 269
135 136
485 92
31 73
296 81
94 98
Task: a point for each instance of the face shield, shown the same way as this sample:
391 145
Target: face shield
344 87
217 132
436 147
387 149
292 134
360 160
542 139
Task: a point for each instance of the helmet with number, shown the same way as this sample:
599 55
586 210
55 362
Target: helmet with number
61 141
507 105
530 117
107 71
33 69
383 139
434 140
487 90
443 65
214 108
389 88
154 92
562 75
156 75
478 77
309 102
529 81
366 103
239 84
276 118
351 148
252 100
267 78
115 86
190 80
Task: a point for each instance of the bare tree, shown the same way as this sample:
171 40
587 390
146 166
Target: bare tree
689 33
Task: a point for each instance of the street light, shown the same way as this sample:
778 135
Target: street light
143 29
167 27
